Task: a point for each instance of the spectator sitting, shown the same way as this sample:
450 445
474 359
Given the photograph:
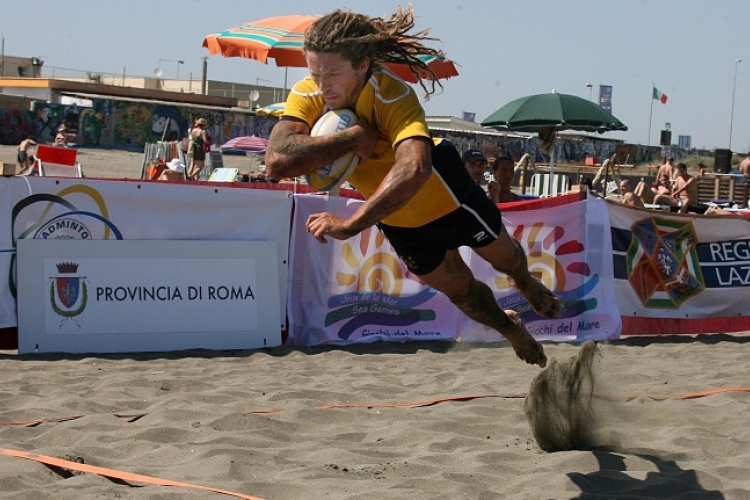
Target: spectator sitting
475 163
684 195
60 139
745 166
499 189
628 196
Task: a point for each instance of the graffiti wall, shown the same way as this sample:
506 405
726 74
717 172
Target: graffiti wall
566 150
126 125
16 125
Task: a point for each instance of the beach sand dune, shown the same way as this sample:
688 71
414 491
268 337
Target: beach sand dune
258 423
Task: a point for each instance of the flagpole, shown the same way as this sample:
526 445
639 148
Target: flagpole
650 114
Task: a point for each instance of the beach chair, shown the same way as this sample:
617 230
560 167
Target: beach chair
214 161
56 161
541 185
224 174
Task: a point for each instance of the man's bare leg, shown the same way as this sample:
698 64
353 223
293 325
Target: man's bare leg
507 256
541 299
475 299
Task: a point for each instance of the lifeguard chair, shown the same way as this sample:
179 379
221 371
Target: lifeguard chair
56 161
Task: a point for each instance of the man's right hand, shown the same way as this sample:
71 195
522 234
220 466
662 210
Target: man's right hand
367 138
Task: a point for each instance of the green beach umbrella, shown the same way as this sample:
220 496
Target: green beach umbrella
550 113
559 111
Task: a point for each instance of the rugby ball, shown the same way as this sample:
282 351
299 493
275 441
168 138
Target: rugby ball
334 174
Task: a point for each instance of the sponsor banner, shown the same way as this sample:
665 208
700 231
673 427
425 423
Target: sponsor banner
75 209
680 273
121 296
568 250
359 291
605 97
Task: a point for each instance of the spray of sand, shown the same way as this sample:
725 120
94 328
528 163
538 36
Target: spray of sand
566 407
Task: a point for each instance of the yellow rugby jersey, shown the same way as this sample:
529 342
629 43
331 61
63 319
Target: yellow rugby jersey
392 107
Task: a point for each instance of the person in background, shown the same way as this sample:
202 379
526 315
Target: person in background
200 141
476 164
628 196
416 189
498 189
684 195
745 166
668 170
22 157
60 138
701 169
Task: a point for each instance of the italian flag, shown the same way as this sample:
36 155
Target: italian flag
658 96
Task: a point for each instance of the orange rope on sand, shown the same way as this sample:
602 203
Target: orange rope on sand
696 395
34 423
412 404
415 404
409 404
111 473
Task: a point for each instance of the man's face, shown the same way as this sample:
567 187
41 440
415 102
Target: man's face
339 82
476 169
504 173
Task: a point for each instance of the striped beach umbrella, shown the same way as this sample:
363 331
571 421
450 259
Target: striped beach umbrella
281 39
247 143
275 109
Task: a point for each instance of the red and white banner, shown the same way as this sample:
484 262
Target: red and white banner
359 291
680 273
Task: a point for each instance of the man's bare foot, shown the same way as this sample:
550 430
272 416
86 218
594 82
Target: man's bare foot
541 299
527 348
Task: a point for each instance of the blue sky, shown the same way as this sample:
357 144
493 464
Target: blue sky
506 50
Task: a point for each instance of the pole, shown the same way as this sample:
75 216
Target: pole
551 189
205 74
650 115
286 74
731 116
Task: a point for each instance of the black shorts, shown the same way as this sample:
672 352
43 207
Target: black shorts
476 223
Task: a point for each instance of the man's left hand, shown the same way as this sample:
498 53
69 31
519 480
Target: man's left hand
325 224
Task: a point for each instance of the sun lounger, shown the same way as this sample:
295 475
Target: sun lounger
541 185
56 161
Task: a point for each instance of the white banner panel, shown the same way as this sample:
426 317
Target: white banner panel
47 209
126 296
358 290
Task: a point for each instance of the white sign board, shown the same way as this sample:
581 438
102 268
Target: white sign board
134 296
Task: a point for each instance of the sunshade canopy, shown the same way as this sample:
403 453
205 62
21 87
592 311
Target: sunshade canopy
553 110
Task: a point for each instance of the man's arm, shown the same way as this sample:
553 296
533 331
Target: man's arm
292 152
684 187
412 169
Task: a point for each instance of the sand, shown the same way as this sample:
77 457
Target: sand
250 422
196 427
114 164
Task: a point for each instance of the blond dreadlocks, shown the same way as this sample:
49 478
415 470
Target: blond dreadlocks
357 36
